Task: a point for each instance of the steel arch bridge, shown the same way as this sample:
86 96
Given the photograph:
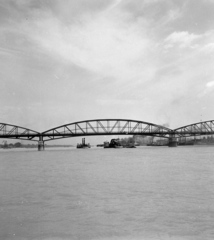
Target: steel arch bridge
16 132
100 127
195 129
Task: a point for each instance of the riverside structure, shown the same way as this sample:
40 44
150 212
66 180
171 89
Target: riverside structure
98 127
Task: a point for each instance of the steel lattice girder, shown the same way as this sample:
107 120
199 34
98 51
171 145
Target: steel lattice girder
105 127
200 128
16 132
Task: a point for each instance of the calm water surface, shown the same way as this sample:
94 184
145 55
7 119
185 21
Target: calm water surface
103 194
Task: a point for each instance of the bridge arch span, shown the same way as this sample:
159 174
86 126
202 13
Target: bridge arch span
17 132
196 129
99 127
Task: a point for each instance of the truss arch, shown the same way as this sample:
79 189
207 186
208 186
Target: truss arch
98 127
195 129
17 132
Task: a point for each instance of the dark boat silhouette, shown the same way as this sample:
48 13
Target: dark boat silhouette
83 144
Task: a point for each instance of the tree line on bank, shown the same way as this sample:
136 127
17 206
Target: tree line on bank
17 145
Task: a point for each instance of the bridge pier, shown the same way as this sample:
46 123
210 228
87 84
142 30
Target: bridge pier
41 144
173 141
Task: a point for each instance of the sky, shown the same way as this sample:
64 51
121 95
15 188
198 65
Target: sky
63 61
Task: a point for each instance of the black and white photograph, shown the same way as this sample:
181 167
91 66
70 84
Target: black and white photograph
106 119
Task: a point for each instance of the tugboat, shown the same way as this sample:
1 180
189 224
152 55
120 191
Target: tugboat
83 144
115 143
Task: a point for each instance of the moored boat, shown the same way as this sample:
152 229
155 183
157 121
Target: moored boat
83 144
114 143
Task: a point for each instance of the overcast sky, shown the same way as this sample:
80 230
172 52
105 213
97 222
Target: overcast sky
66 60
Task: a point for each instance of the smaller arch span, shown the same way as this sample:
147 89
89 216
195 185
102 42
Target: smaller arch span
196 129
17 132
98 127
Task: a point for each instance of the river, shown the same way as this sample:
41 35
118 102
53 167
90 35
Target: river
107 194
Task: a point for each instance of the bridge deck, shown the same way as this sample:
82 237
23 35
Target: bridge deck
100 127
